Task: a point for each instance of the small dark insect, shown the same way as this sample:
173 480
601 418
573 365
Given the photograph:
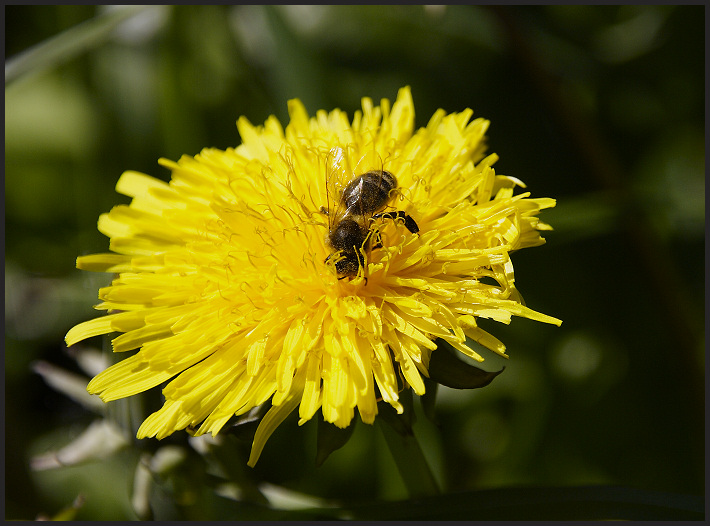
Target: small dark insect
353 224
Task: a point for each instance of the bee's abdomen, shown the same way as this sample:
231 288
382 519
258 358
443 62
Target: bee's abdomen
369 192
346 235
350 264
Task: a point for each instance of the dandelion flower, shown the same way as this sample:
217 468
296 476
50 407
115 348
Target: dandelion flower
228 287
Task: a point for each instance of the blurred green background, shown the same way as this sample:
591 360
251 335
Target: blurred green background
601 108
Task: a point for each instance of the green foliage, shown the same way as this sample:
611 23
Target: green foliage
447 369
331 438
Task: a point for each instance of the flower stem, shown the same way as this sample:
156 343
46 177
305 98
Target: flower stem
407 454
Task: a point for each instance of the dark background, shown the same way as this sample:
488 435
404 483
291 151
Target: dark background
601 108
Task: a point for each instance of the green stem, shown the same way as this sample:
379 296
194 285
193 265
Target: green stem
408 457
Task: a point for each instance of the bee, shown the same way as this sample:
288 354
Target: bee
353 224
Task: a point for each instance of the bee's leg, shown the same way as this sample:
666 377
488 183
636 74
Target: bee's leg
374 239
409 222
377 238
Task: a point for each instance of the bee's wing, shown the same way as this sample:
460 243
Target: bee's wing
338 174
369 161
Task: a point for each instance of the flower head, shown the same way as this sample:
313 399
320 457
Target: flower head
229 284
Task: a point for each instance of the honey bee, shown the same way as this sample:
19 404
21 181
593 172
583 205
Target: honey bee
353 224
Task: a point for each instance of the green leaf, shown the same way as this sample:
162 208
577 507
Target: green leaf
331 438
445 368
400 423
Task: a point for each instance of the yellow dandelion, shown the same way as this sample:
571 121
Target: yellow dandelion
231 282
